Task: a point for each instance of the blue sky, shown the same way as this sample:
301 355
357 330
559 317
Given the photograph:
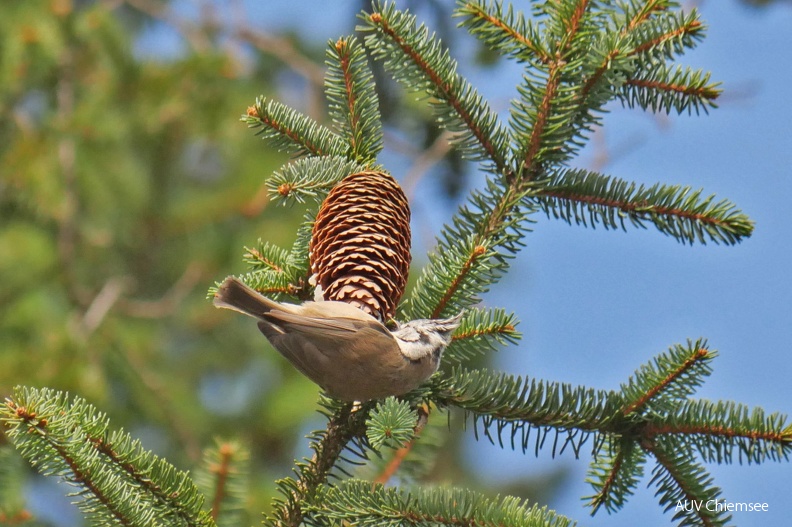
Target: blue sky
596 304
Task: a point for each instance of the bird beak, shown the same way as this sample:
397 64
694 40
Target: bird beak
450 324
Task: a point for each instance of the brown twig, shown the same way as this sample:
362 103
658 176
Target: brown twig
285 51
281 48
168 303
66 214
347 423
222 469
197 39
602 496
100 306
22 517
425 161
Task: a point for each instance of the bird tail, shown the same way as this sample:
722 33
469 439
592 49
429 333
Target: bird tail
233 294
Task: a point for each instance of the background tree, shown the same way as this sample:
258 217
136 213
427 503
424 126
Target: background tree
149 367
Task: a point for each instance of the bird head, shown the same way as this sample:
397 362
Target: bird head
424 337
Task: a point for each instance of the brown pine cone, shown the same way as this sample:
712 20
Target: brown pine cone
360 246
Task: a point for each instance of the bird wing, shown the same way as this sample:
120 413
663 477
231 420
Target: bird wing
323 329
315 326
301 353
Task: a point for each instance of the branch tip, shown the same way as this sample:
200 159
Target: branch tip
285 189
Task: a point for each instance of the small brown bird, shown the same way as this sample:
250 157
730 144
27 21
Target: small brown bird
346 351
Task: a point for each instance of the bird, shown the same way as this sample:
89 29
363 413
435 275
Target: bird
350 354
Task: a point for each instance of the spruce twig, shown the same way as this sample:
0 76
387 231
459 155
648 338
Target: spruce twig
346 423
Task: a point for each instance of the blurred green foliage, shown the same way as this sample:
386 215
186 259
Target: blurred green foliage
127 186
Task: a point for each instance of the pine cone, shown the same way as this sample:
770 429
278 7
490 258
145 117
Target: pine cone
360 246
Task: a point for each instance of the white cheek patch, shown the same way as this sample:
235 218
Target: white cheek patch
414 350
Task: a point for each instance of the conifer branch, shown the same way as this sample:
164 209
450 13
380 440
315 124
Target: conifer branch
353 102
718 430
572 21
299 261
640 19
421 63
616 475
121 482
676 34
594 66
644 11
591 198
507 330
585 69
346 423
402 452
673 377
391 423
503 405
222 470
223 478
268 282
545 100
462 273
579 55
481 331
356 502
473 252
513 35
701 92
663 89
80 476
12 491
291 131
414 459
503 402
653 87
596 78
117 453
680 479
310 178
543 109
604 496
641 16
266 257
